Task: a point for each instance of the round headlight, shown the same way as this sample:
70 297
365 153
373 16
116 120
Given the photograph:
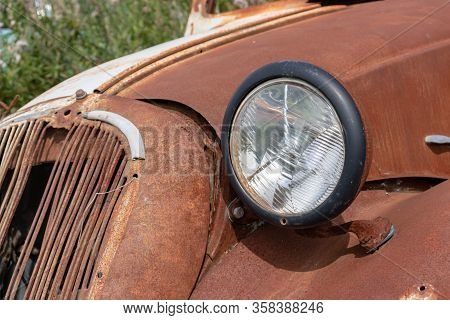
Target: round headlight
294 144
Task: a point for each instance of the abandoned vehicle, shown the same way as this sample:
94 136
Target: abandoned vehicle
291 150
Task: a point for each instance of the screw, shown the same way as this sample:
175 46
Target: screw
80 94
238 213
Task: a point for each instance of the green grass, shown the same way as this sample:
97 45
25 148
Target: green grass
81 34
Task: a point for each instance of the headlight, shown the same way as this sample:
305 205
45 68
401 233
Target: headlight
294 144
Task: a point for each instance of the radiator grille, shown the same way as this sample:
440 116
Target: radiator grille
53 255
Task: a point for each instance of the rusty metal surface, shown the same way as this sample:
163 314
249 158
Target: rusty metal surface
131 243
209 41
371 234
202 18
157 238
170 230
378 62
279 264
422 292
68 224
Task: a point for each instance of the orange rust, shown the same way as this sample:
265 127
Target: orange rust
371 234
297 267
116 232
161 228
421 292
169 223
377 62
139 223
77 174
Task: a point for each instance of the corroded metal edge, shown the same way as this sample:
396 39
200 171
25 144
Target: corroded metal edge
130 131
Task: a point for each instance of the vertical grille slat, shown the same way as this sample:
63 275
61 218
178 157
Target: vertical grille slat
55 225
114 197
85 222
11 197
36 226
66 229
85 188
70 215
26 250
97 219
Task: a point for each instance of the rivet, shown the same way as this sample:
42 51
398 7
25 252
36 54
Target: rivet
238 213
80 94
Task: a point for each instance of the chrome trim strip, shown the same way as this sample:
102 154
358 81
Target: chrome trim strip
130 131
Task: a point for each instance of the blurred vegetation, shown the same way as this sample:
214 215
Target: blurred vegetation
65 37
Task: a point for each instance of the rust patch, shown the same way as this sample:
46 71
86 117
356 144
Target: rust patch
378 69
298 267
371 234
128 245
161 228
67 222
421 292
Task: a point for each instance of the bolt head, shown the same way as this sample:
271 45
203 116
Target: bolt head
238 213
80 94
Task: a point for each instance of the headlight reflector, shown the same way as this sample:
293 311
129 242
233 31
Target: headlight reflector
287 146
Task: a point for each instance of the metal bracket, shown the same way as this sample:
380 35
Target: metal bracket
130 131
371 234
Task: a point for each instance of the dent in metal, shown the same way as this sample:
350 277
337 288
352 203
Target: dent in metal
437 139
130 131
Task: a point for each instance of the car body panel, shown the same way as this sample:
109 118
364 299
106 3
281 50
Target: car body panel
377 62
277 264
160 225
90 79
162 229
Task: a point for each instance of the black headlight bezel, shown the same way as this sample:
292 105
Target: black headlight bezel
354 137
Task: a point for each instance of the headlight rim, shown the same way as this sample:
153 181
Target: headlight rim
354 137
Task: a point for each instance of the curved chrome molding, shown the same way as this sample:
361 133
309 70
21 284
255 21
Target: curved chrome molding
130 131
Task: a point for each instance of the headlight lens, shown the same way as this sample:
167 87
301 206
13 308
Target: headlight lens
294 144
287 146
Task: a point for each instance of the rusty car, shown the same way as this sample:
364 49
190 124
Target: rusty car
291 150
